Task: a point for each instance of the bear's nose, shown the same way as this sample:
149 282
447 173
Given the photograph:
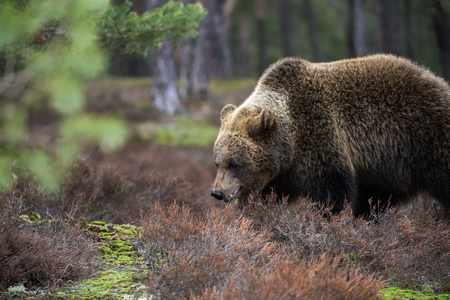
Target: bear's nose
217 194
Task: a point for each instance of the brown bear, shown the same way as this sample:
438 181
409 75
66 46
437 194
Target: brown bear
376 127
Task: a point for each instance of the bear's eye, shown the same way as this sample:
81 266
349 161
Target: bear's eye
232 166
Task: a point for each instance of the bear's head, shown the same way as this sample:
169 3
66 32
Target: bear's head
244 152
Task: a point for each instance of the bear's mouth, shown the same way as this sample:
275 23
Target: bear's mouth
232 195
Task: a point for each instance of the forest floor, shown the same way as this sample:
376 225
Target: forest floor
139 224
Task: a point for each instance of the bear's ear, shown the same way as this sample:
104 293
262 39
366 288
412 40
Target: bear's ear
261 123
226 110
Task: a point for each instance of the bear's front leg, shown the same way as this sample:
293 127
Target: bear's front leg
331 186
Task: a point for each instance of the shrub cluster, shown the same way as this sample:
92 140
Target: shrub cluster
40 254
189 253
109 195
223 256
405 247
105 191
100 189
323 278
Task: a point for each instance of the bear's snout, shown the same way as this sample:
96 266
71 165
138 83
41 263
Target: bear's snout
217 194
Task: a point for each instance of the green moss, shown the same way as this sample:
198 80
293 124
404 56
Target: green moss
395 293
224 85
122 269
100 223
104 249
114 241
31 217
105 234
112 283
126 82
187 132
181 131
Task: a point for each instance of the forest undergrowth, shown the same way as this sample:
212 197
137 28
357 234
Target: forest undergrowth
263 250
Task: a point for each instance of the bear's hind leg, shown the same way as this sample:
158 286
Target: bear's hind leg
439 188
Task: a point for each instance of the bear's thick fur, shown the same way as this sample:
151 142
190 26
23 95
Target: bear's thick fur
376 127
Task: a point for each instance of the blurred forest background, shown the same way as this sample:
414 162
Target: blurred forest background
241 38
82 73
108 114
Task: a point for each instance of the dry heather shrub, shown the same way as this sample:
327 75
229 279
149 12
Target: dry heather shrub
116 187
316 279
188 254
25 195
45 255
166 187
94 193
192 165
111 195
409 249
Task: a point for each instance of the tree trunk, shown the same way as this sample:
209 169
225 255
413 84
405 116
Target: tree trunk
441 22
356 29
164 76
185 68
391 41
222 59
185 64
314 41
261 35
408 30
224 26
376 38
203 67
164 82
285 18
243 48
211 51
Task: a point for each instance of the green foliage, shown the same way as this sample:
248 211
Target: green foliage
49 51
124 30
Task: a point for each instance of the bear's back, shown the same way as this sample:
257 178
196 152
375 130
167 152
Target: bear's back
378 77
379 109
374 88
